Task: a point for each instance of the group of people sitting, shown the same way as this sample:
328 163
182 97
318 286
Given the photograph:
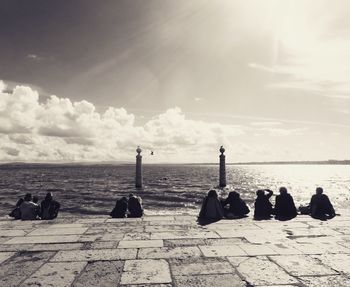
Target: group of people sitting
125 207
233 206
27 208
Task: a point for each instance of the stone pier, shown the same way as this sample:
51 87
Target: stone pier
222 170
138 176
174 250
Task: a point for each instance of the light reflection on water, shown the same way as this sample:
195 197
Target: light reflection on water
93 189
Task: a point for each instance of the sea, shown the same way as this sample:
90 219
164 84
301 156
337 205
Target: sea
173 188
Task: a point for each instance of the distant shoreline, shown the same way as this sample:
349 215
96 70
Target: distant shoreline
327 162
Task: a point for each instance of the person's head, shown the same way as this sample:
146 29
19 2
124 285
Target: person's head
212 193
260 192
233 195
48 196
28 197
131 195
124 199
283 190
35 199
319 190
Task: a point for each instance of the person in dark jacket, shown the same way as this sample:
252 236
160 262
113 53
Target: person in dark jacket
262 207
237 208
120 209
135 206
284 206
28 209
16 212
320 206
211 207
49 207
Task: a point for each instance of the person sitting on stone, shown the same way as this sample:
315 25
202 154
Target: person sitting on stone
237 208
135 206
49 207
262 207
284 206
320 206
16 212
120 209
211 207
28 209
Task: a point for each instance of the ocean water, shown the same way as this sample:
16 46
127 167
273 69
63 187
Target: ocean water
93 189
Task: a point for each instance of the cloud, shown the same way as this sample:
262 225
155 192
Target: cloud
61 130
34 57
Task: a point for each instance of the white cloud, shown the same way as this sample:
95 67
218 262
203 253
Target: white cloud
62 130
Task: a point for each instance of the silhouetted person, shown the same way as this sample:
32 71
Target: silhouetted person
320 205
120 209
35 199
29 210
49 207
16 212
284 206
211 207
135 206
237 207
262 206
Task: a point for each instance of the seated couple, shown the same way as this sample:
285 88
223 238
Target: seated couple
231 207
128 208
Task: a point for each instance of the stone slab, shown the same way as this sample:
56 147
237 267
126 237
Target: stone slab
43 239
322 248
20 267
55 246
57 231
261 271
284 249
91 220
112 237
55 274
100 273
12 232
184 242
184 234
169 252
222 280
224 241
159 218
201 267
66 225
138 236
338 262
5 255
146 272
140 243
222 251
257 249
326 281
302 265
95 255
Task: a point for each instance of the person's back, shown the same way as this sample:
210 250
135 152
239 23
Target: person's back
285 208
211 207
134 206
16 212
120 209
28 209
320 205
237 207
262 206
49 208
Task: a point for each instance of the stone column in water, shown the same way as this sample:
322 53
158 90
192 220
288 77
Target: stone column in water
138 177
222 172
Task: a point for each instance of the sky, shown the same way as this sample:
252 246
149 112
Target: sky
89 81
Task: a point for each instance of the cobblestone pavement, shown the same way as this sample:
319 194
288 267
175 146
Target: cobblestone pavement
175 251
